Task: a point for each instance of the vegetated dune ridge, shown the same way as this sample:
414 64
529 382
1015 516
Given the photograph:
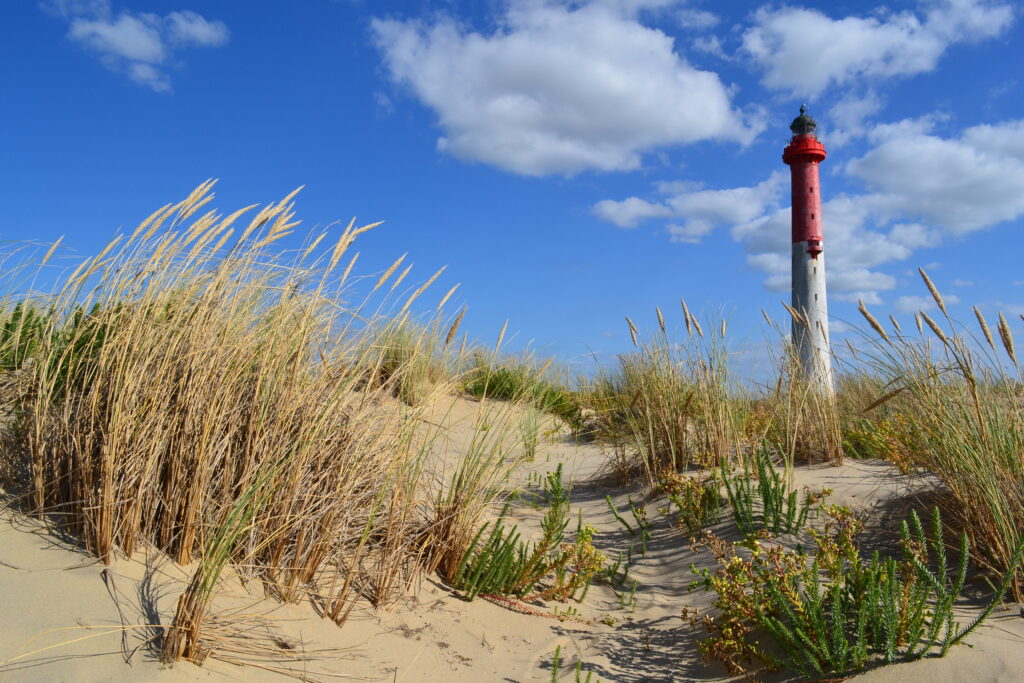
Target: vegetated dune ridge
67 618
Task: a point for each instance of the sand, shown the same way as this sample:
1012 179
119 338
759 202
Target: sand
66 617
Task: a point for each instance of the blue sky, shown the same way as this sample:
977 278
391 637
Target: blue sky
570 162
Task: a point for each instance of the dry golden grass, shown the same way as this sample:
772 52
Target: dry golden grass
958 410
192 390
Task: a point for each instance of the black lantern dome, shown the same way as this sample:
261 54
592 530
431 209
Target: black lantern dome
803 124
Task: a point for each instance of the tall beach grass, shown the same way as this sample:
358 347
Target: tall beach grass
190 388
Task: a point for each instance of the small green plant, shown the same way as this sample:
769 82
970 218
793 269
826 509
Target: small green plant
556 665
628 600
530 432
618 516
639 513
504 564
564 614
696 500
832 613
580 678
611 571
782 509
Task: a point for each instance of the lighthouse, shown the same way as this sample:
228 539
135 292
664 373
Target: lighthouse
810 324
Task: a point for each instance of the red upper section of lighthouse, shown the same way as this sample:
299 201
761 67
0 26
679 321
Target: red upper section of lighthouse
803 154
804 149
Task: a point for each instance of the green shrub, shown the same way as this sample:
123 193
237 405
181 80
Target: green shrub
892 438
522 382
836 612
696 499
767 503
504 564
20 335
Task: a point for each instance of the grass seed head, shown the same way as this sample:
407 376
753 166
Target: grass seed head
454 328
935 328
696 326
934 291
875 325
1007 338
632 330
984 328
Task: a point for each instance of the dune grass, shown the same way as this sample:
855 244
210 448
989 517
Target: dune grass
190 389
953 407
522 379
667 403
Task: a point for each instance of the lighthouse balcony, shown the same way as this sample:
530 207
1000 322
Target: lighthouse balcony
804 149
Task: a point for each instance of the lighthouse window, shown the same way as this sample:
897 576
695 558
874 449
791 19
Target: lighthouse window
812 216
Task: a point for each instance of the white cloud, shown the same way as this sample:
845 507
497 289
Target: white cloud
960 184
129 37
913 304
836 327
629 212
1011 310
849 115
962 283
710 45
862 280
189 28
138 45
697 19
694 211
922 190
869 298
558 88
700 211
853 249
627 7
804 51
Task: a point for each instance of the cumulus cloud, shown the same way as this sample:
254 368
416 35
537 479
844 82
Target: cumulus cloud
701 211
559 88
849 116
694 211
854 246
869 298
960 184
913 304
922 189
804 51
697 19
138 45
629 212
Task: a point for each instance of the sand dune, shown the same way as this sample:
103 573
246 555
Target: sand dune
66 617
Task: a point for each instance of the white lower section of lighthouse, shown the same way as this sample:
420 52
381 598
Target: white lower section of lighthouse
810 332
